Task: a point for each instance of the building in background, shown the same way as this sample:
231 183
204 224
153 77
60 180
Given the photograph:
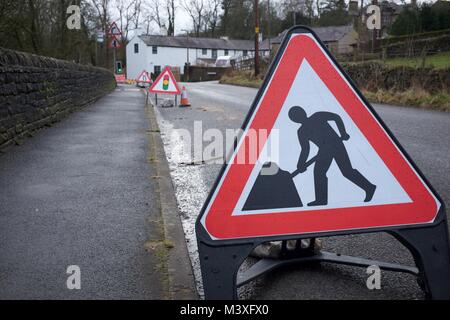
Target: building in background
154 52
389 12
338 39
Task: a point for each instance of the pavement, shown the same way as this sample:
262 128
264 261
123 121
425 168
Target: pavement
88 192
423 133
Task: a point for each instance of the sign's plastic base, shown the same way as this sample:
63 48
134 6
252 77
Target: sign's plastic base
428 245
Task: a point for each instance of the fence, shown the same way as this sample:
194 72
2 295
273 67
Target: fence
203 73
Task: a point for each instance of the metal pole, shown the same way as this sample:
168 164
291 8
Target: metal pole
188 50
374 32
268 27
114 66
256 5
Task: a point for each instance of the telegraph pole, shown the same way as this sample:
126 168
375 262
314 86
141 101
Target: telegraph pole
268 28
374 32
256 9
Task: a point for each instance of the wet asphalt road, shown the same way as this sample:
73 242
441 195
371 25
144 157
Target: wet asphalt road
79 193
424 134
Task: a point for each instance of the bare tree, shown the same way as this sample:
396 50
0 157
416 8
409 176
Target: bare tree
212 15
147 19
171 8
293 6
153 12
102 8
196 10
309 9
319 8
137 12
129 14
226 7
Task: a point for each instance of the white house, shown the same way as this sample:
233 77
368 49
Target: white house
154 52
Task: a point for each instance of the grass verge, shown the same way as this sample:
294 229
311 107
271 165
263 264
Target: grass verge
415 97
412 97
438 61
242 78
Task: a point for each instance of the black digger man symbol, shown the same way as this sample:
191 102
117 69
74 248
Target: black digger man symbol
279 191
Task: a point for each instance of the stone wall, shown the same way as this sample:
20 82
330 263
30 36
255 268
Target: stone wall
418 47
373 76
37 91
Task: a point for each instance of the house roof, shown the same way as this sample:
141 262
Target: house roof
326 34
200 43
387 6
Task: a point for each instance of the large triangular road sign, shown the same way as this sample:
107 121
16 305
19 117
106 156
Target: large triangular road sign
340 168
165 83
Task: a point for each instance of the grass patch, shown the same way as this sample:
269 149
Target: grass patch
242 78
437 61
412 97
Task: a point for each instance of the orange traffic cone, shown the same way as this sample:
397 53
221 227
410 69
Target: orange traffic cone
184 98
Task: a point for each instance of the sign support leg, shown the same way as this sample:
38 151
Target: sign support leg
430 249
219 267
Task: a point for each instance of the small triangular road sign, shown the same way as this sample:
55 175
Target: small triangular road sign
326 164
114 43
114 30
165 83
144 77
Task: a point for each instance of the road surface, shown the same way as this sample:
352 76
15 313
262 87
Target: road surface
424 134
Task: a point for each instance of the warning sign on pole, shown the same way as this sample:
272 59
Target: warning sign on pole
328 165
114 43
114 30
165 83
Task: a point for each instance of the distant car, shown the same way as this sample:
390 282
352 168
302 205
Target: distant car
225 61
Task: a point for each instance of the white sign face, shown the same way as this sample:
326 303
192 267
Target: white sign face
315 97
144 77
114 30
165 83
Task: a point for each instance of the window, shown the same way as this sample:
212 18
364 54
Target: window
245 53
204 52
136 48
226 52
154 49
157 70
214 53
